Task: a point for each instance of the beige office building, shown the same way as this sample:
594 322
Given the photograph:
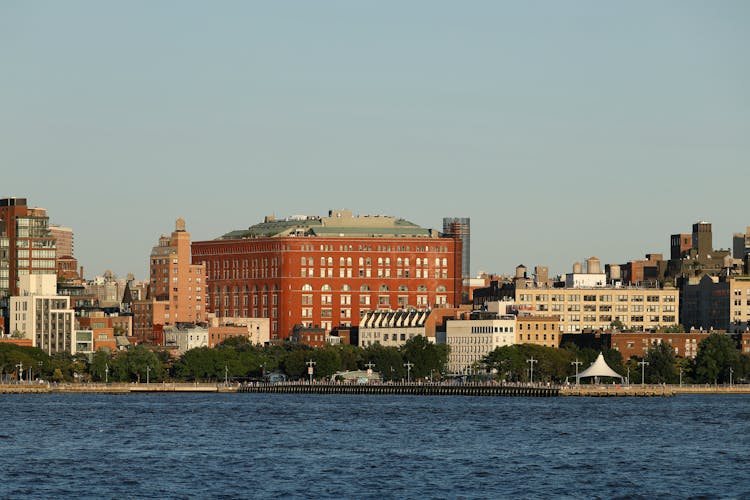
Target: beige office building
638 309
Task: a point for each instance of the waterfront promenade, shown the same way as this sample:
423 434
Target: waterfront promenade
417 389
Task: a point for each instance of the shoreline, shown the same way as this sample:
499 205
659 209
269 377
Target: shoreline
379 389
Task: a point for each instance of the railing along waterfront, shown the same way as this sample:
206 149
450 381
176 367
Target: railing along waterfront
414 389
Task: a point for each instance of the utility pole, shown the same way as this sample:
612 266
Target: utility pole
643 371
408 371
577 363
531 361
310 368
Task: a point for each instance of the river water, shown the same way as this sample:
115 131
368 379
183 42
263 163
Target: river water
338 446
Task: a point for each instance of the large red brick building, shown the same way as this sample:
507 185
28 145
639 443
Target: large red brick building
327 272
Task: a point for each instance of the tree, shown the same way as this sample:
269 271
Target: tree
716 355
511 363
99 365
617 325
388 361
661 365
427 357
135 364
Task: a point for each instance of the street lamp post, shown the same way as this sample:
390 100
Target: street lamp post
408 366
680 376
731 372
226 375
39 373
106 373
643 371
628 374
577 363
148 371
531 361
310 364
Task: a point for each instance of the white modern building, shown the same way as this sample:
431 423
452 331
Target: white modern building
472 339
186 338
41 315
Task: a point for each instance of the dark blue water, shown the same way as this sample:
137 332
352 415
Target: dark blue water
249 445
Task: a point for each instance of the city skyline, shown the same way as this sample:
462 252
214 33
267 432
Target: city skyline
561 131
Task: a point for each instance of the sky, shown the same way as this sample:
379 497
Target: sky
562 129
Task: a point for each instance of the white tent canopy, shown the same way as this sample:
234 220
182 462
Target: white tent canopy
598 368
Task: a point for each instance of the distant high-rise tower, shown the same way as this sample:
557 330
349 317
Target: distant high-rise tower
460 227
702 239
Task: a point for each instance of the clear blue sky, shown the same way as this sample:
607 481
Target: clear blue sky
563 129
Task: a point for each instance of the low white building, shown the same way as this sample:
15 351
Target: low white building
186 337
470 340
392 328
41 315
585 280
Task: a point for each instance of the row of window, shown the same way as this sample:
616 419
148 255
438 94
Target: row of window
527 297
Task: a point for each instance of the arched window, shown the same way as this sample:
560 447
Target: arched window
403 288
399 261
364 288
322 261
368 261
226 289
437 261
348 261
265 288
361 261
440 288
384 288
419 262
307 287
330 261
421 288
325 288
346 288
341 262
303 261
309 261
380 261
445 262
236 289
387 261
406 261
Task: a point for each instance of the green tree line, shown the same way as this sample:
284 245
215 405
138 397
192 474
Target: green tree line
235 359
717 359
